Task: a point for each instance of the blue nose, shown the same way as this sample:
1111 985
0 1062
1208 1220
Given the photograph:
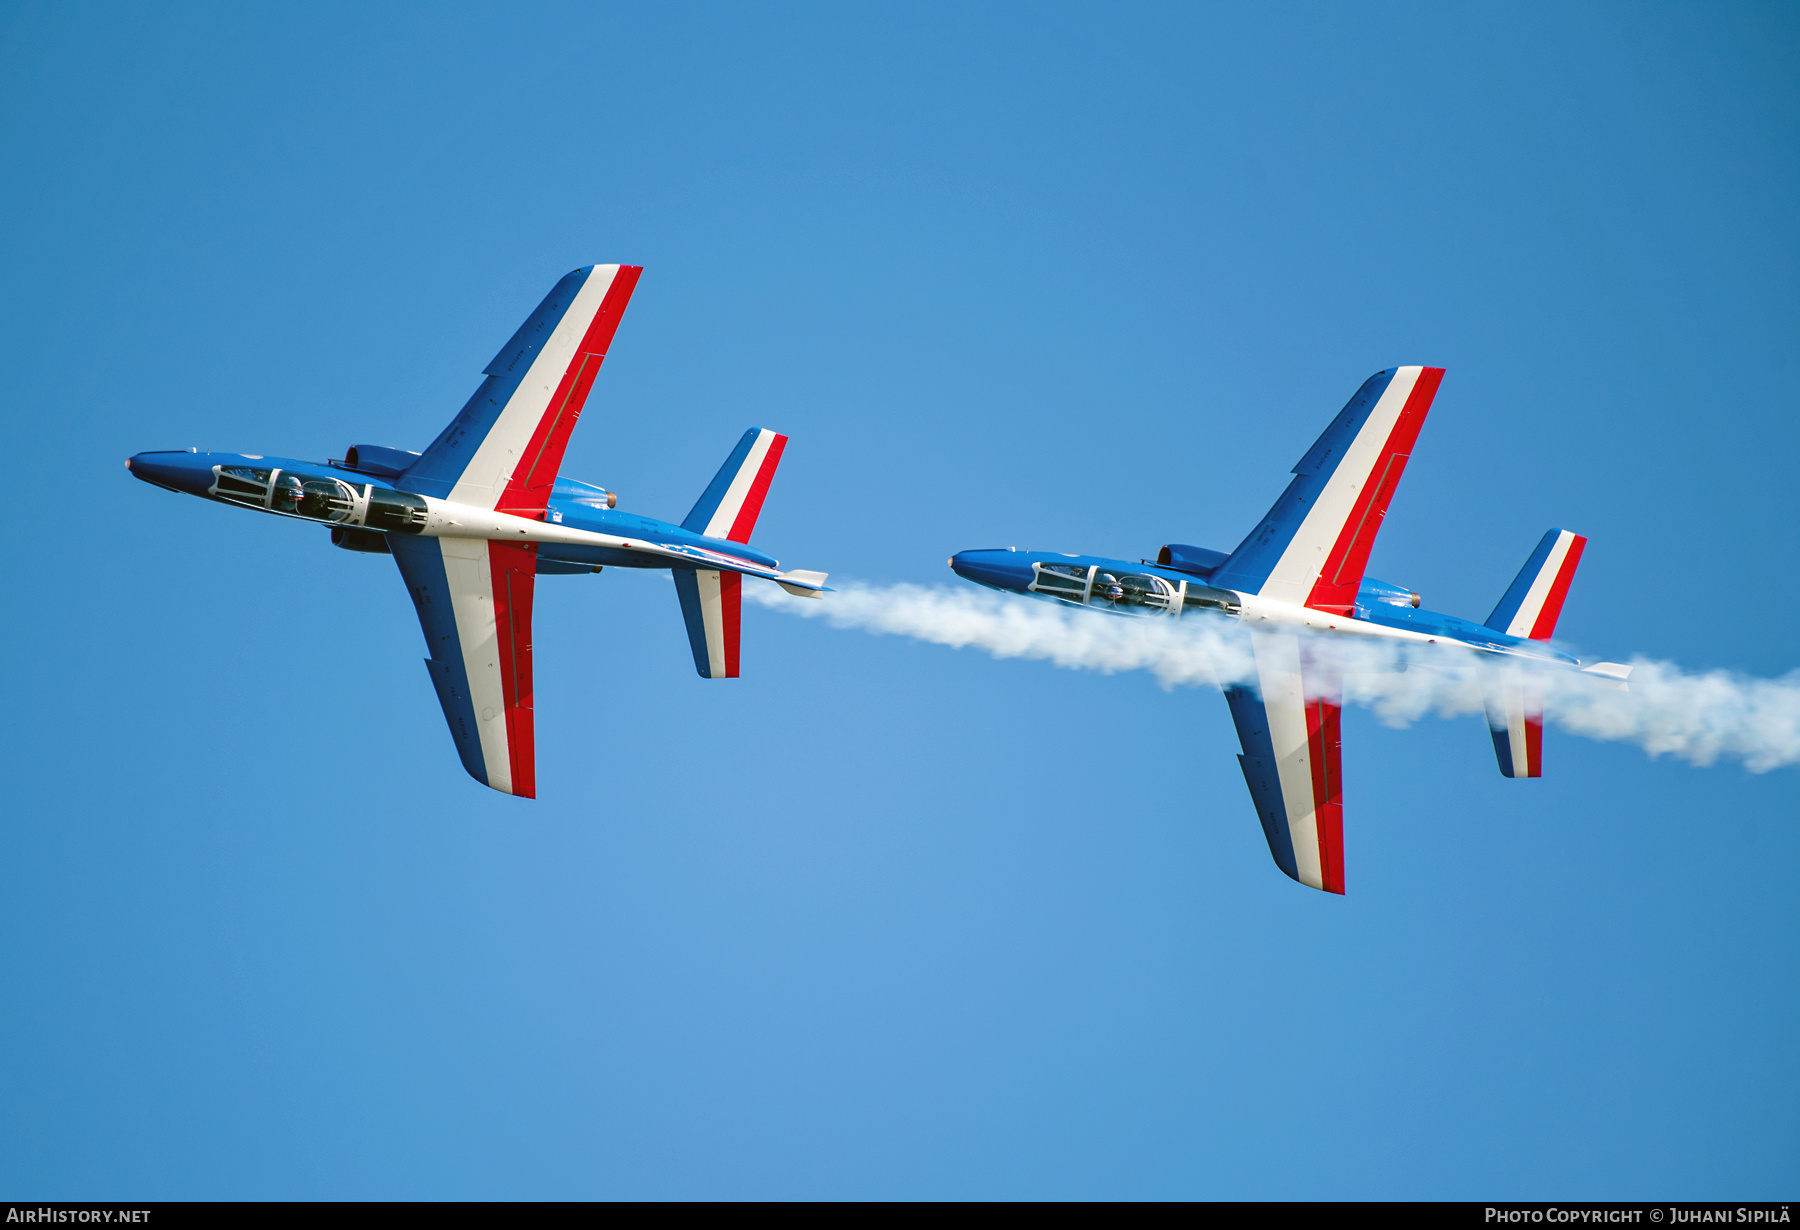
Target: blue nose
999 569
183 471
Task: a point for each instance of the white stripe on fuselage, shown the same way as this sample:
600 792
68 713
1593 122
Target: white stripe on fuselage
471 578
1526 617
725 516
483 481
1292 578
446 520
1257 609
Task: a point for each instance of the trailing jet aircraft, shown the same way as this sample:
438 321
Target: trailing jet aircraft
1296 579
476 518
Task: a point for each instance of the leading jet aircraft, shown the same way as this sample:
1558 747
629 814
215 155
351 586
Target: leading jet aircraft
476 518
1297 581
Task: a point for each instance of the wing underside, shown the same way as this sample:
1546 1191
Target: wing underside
1288 725
474 603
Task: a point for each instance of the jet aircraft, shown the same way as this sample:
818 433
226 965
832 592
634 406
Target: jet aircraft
1296 581
476 518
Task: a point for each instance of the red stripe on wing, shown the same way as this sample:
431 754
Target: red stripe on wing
514 569
1324 745
528 490
1545 623
745 521
731 610
1321 673
1335 590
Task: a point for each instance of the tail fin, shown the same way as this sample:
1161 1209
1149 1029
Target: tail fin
712 605
1535 598
731 503
1515 705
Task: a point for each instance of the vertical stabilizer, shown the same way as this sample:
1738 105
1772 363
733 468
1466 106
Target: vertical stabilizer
1534 601
734 499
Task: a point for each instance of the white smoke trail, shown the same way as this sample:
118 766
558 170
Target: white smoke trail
1698 718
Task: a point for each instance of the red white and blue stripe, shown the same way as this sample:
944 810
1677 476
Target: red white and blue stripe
712 602
474 600
1530 608
712 606
503 450
1534 600
1313 545
729 506
1290 728
1310 550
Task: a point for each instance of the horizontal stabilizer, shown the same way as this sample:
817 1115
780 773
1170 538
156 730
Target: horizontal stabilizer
803 584
712 606
1515 714
1610 675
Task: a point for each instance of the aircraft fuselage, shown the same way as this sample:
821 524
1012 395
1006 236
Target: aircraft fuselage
1121 587
578 533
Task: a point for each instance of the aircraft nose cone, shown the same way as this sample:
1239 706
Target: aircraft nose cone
997 569
183 471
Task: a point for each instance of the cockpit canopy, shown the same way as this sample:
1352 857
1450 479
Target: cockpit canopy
1118 589
319 497
286 491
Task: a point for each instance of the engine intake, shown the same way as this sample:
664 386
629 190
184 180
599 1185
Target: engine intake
1195 561
379 460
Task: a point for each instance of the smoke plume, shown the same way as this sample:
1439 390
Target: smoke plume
1666 711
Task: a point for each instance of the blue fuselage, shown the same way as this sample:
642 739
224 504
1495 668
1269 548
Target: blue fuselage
328 493
1126 588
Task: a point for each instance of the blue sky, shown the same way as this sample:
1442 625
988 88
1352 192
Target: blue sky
883 919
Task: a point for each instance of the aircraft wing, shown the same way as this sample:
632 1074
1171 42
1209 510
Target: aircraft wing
474 602
502 451
1312 546
1288 725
